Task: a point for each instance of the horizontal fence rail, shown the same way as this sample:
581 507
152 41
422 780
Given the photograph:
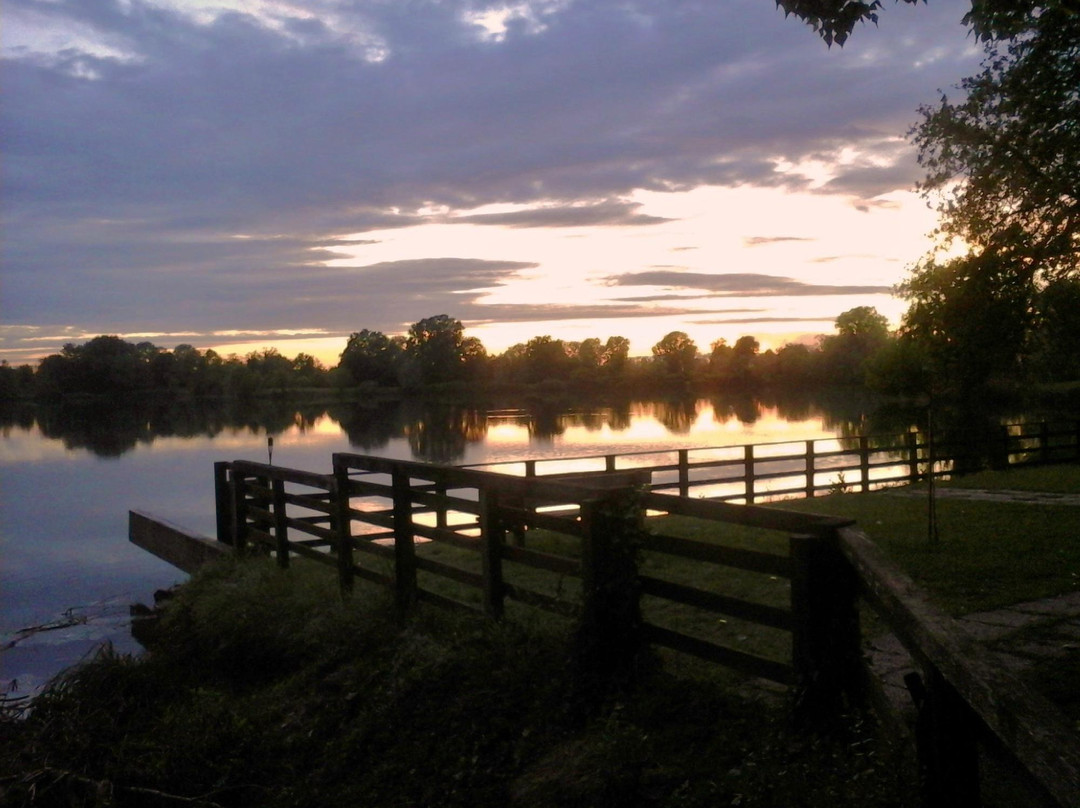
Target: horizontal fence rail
769 471
463 537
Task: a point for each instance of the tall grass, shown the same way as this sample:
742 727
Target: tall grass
263 689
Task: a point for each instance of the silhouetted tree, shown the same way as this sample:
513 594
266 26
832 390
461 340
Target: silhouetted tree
435 352
371 356
834 20
676 353
861 333
546 358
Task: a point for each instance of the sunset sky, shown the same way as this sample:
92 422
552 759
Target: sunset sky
252 173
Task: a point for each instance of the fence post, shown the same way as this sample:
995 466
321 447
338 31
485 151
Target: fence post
999 451
748 473
826 648
492 537
684 472
223 502
609 637
1044 442
440 508
237 484
864 462
404 549
609 462
912 440
946 743
811 472
341 524
281 525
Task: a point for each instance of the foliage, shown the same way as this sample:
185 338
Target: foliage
1014 142
676 353
1005 162
834 20
437 351
971 316
371 356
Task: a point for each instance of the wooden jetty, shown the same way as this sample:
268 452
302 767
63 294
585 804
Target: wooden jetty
380 521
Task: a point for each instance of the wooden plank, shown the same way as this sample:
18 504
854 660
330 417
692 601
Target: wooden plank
313 502
716 602
451 572
739 660
184 549
538 600
283 473
542 561
313 554
378 550
751 560
1031 728
443 601
258 536
448 536
748 515
447 502
373 576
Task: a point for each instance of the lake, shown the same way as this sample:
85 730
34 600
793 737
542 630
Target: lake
69 476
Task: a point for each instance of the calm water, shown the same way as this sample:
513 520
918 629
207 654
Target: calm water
68 479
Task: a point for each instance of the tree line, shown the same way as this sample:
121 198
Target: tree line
436 354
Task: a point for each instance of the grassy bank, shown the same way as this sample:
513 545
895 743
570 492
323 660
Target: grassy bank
263 690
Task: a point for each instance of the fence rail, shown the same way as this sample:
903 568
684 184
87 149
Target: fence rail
768 471
455 537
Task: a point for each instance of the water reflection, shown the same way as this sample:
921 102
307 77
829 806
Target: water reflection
447 432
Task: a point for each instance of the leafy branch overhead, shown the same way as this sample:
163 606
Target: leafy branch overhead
835 20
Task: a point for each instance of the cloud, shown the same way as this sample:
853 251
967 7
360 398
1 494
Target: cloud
758 241
735 284
171 170
607 213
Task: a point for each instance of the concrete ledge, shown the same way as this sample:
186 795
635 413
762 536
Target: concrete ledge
181 548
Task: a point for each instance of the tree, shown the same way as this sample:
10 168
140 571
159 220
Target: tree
1056 344
861 333
971 315
677 352
588 353
834 20
616 354
546 358
1014 144
434 349
743 355
1005 165
371 356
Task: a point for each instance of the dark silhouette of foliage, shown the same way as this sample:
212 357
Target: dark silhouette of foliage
834 20
371 356
676 354
1005 161
437 351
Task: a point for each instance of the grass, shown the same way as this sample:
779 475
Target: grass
1058 479
262 689
989 555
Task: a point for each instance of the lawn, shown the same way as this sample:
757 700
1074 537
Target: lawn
989 554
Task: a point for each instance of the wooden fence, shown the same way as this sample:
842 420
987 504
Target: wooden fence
768 471
453 536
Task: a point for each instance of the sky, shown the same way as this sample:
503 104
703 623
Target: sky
246 174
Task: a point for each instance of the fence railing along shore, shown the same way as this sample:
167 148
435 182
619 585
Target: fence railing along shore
770 593
762 472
